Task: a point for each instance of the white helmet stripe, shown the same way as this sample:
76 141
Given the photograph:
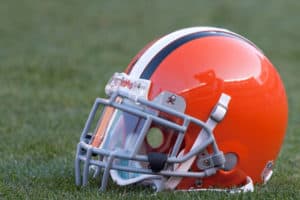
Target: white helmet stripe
160 44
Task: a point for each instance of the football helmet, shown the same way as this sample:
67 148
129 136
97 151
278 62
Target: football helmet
201 108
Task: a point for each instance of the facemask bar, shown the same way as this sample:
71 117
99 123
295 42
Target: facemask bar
140 106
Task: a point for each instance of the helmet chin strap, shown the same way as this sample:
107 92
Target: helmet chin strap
215 117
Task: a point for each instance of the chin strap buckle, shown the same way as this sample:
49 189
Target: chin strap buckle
267 172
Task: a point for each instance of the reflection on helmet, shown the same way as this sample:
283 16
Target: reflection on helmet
215 102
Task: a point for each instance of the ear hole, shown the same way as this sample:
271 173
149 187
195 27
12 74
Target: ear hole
154 137
231 161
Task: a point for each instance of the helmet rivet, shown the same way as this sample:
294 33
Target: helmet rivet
198 182
206 162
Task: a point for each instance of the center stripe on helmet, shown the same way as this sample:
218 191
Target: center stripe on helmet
151 58
149 61
161 43
154 63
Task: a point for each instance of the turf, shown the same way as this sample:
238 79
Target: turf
56 56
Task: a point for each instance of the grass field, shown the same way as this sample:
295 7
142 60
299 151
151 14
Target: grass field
56 56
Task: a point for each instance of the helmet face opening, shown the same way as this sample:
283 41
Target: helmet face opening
191 112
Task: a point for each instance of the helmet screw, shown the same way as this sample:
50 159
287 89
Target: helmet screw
198 182
171 99
206 162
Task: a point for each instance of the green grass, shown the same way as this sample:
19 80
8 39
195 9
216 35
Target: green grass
56 56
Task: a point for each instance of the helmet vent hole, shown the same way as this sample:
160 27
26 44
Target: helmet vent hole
154 137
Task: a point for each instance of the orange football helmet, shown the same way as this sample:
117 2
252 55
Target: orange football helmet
213 102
